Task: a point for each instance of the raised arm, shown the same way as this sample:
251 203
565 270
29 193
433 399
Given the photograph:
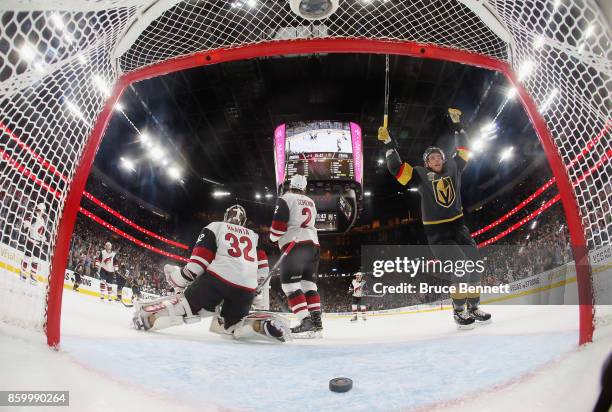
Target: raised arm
402 171
462 153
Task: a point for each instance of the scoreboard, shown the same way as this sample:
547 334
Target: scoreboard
323 150
321 166
330 155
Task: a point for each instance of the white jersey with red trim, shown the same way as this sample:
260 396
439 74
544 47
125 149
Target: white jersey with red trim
106 260
230 252
36 229
294 218
358 287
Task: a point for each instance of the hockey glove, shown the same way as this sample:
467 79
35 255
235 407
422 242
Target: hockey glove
454 117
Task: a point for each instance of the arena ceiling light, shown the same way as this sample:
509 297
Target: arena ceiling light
74 109
488 127
269 195
119 107
548 100
27 52
538 42
525 69
314 9
218 194
506 154
511 93
367 193
156 152
127 164
101 85
380 162
478 144
174 172
257 196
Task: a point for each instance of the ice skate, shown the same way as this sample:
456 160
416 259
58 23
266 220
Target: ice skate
463 320
316 320
305 330
480 317
354 318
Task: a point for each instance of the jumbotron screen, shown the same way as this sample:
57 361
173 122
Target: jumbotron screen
321 150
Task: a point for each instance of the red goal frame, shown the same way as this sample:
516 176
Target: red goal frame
332 45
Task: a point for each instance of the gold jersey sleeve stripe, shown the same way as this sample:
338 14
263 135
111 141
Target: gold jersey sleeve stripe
405 174
437 222
463 153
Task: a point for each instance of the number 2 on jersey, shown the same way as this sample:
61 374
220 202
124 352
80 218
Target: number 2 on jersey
235 251
308 213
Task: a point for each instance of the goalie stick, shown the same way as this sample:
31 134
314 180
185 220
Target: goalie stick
276 266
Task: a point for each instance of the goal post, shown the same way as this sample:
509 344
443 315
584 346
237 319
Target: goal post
56 54
330 46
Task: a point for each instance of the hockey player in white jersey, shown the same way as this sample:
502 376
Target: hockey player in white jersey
225 265
107 265
357 290
294 219
34 224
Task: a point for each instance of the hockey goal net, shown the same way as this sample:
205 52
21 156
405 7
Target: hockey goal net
56 54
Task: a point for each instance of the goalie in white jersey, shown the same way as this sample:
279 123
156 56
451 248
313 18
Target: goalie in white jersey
34 224
294 219
225 266
358 290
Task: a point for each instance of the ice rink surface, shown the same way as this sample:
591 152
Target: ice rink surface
527 359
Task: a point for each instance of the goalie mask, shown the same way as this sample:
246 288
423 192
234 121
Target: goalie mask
235 214
430 150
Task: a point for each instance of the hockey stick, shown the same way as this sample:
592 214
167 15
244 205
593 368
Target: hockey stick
386 113
276 266
130 284
374 296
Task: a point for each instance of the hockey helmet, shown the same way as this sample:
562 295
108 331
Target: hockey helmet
358 275
433 149
298 182
108 245
235 214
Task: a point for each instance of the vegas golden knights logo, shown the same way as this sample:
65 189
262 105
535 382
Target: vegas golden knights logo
444 191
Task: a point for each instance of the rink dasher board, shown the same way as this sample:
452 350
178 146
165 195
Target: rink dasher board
553 287
10 264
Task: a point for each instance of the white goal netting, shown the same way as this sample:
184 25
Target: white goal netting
58 60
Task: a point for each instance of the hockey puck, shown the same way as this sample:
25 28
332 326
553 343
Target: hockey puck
340 385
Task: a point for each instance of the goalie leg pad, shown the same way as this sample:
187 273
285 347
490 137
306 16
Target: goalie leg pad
163 313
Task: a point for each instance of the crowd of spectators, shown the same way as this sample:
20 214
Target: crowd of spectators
537 246
139 266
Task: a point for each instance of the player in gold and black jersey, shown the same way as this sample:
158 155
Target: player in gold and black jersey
439 184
